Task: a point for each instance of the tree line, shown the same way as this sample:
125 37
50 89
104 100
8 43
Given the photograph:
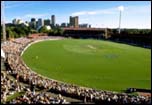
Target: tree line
131 32
16 31
141 37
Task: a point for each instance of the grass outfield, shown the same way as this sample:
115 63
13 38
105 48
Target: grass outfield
91 63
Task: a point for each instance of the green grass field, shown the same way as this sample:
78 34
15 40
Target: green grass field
91 63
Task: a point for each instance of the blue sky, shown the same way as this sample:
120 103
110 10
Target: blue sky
136 14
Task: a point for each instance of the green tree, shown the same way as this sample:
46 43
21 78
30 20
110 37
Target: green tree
43 30
60 31
57 31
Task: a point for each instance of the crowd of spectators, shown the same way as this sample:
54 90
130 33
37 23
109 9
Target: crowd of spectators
38 98
9 87
24 74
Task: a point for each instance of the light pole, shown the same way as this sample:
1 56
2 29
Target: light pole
121 8
3 20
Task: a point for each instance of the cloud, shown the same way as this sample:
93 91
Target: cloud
96 12
79 13
133 16
128 9
121 8
36 15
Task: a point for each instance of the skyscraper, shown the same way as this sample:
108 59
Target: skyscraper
14 21
17 21
74 21
33 19
47 22
33 23
71 21
53 20
40 23
64 24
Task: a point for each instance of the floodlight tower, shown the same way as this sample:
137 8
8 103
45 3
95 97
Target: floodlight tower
3 20
121 8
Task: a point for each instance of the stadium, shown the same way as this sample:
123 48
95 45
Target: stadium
89 59
93 71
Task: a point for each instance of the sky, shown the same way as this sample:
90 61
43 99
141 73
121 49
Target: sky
103 14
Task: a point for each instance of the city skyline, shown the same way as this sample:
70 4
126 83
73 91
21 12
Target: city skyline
97 13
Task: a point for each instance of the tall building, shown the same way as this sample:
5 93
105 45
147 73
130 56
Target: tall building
33 19
71 21
14 21
33 23
36 24
64 25
89 26
53 20
47 22
40 23
85 26
17 21
74 21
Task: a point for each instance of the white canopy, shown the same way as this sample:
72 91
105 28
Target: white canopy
2 53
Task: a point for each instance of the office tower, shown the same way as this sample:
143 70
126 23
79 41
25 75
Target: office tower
14 21
53 20
33 19
64 24
19 21
74 21
40 23
47 22
33 23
